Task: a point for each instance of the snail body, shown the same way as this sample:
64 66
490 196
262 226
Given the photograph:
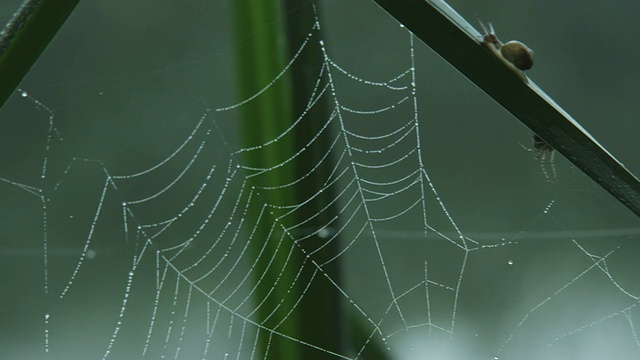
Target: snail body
513 53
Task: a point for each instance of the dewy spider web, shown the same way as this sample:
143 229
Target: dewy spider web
150 261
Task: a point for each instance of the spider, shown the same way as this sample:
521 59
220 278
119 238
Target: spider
542 149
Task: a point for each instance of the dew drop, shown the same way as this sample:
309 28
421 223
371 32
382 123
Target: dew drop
325 233
23 93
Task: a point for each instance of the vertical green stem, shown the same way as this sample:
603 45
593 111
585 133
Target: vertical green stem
260 58
322 306
265 40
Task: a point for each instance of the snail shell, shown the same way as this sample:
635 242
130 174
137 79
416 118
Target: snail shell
513 52
518 54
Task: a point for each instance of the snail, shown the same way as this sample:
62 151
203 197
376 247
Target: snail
513 53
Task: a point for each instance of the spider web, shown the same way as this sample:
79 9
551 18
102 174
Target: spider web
137 244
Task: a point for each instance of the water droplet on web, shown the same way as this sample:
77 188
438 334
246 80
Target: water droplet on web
546 210
510 262
24 93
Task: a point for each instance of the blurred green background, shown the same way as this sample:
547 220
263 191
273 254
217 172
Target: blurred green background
127 83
